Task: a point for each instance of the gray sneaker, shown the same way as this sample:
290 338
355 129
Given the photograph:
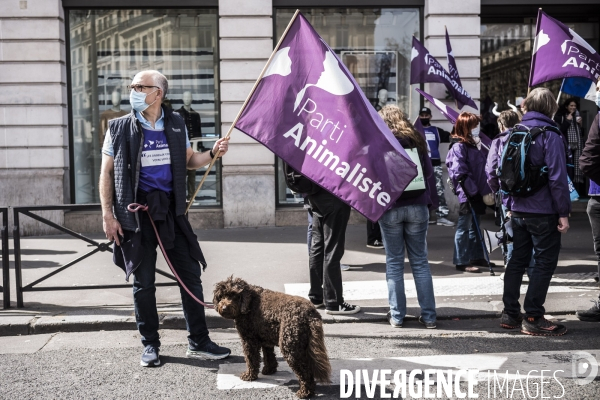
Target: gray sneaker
444 222
344 267
392 322
150 357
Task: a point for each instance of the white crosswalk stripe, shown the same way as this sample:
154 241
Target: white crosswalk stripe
467 286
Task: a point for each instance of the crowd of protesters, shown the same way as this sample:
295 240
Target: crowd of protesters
537 220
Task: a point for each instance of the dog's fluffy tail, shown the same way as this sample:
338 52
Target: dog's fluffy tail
318 352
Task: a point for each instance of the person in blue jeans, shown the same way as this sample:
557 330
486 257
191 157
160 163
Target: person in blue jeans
404 227
538 221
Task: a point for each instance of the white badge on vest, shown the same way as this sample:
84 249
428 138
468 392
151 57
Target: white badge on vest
419 182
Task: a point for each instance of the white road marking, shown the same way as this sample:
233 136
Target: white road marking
468 286
517 365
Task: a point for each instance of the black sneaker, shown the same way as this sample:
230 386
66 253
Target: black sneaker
375 245
541 327
510 322
591 315
210 351
428 325
343 309
150 357
317 304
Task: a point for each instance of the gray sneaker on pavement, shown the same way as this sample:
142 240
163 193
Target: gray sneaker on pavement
444 222
428 325
391 321
150 357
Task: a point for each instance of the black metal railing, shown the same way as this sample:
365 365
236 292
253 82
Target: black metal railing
98 247
5 264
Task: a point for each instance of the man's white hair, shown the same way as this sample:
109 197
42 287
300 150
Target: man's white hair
159 80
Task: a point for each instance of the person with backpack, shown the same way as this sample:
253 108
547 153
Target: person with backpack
405 225
506 121
330 218
466 171
540 205
589 163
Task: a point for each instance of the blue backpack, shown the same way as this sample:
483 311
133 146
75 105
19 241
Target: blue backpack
518 176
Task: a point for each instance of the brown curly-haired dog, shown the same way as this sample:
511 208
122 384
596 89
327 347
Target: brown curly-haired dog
265 319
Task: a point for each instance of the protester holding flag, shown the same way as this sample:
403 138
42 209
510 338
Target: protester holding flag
435 136
405 224
589 163
569 121
538 221
466 169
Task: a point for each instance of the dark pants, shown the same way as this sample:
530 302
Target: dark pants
373 232
190 183
144 290
539 234
330 219
593 211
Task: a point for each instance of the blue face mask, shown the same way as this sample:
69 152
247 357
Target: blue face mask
598 99
138 100
475 132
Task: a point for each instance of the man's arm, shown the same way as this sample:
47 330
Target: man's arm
444 135
197 160
111 226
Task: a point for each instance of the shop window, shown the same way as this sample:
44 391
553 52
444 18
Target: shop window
375 45
181 45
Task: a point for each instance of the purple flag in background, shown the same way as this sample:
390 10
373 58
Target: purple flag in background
451 61
559 52
308 110
419 127
425 68
448 112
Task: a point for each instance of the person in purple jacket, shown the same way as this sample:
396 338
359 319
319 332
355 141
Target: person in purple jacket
466 170
538 222
405 224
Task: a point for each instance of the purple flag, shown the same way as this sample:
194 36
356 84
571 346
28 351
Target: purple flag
308 110
451 61
425 68
559 52
448 112
419 127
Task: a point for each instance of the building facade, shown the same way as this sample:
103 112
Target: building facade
65 65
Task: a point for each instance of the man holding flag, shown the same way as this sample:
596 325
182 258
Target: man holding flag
307 108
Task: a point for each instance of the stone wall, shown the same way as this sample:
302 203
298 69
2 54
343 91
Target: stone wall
33 113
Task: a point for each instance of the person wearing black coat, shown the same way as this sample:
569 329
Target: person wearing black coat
570 123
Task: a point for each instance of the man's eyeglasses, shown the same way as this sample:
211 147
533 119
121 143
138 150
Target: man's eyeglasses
140 88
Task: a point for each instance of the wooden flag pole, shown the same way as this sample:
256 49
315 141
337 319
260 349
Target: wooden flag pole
214 159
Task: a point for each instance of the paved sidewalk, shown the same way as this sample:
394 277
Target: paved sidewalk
275 258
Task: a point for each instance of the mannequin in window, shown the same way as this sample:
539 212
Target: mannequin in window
192 123
382 97
112 113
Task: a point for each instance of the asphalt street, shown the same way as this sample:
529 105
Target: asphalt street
105 365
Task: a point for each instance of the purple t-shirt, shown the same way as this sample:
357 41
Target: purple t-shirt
155 172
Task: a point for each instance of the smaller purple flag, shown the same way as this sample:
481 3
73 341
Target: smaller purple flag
425 68
448 112
451 61
419 127
309 110
559 52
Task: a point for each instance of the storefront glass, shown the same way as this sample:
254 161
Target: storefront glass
107 48
505 64
375 45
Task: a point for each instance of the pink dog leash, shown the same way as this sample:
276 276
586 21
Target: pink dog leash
135 207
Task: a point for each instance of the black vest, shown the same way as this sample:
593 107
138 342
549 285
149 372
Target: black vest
128 141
